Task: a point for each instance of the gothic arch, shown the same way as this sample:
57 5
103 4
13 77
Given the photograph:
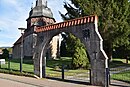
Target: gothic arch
86 30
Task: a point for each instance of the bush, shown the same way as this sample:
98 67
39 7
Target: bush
78 52
80 59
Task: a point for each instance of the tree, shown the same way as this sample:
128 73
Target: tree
5 54
124 50
63 50
113 16
78 52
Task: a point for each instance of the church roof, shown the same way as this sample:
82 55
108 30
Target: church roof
41 9
18 41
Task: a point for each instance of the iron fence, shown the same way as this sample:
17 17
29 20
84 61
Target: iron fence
64 73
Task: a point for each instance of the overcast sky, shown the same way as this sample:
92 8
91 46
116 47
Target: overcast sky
13 14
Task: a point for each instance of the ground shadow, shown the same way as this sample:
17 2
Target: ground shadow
120 83
70 81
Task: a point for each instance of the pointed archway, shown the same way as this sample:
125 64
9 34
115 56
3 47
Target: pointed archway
86 29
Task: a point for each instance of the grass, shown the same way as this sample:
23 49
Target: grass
15 66
122 76
116 62
58 62
53 68
122 60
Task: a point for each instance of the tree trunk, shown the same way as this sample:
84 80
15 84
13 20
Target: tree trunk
108 50
126 59
109 54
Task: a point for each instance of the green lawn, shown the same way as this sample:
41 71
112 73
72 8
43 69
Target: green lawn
54 67
123 76
15 66
116 62
58 62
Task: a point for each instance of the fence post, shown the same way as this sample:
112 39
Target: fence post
44 68
9 64
62 71
90 76
107 77
0 65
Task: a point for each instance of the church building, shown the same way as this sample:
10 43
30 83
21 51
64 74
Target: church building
40 15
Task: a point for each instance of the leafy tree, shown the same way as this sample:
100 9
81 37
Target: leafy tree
124 50
5 54
114 22
78 52
63 50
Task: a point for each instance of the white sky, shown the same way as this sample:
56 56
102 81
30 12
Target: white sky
13 14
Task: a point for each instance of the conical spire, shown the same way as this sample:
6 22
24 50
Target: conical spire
41 9
41 2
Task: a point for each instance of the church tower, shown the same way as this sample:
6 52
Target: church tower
40 15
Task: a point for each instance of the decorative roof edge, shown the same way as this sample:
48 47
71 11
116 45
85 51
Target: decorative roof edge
68 23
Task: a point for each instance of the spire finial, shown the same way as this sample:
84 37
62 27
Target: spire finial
32 5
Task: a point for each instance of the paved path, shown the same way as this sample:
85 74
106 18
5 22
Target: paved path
20 81
116 83
118 70
7 80
10 83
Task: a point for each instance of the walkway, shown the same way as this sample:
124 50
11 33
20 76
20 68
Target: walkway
11 83
115 83
119 69
21 81
37 82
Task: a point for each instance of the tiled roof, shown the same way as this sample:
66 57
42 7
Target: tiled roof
73 22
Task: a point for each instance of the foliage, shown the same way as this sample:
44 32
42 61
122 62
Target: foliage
63 50
80 59
122 52
8 48
5 54
78 52
114 19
